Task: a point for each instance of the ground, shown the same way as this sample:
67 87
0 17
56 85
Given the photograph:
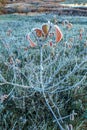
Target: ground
44 6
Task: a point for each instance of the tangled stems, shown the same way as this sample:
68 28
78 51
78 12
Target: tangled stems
42 86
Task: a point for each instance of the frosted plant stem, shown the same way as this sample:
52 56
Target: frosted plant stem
14 125
42 86
41 66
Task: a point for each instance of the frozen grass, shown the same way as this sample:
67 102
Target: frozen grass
43 99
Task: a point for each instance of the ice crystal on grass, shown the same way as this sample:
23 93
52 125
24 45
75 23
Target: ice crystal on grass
45 85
